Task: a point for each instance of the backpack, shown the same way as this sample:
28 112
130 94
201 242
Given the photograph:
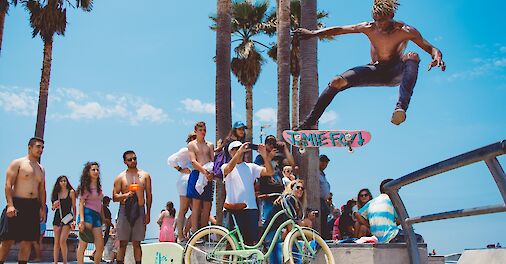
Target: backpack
220 159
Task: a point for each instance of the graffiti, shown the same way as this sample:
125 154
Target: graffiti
159 258
320 138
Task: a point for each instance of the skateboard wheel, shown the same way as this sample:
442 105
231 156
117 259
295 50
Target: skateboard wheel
302 150
350 149
347 137
297 137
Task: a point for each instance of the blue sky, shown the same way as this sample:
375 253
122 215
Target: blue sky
139 76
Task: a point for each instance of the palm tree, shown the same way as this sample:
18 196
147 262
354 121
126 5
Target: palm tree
283 53
294 51
308 97
248 21
223 90
46 19
4 8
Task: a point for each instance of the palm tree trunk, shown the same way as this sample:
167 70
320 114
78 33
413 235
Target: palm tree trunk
3 12
283 56
223 89
44 88
308 97
249 113
295 101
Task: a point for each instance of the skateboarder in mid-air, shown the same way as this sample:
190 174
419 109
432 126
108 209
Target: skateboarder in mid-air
389 66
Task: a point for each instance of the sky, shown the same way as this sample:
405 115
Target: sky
139 76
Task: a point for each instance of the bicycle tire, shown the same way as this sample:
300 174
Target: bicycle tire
203 242
323 253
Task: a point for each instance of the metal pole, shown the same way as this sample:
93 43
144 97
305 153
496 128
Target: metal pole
412 245
498 173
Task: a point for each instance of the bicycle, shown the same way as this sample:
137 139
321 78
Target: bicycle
217 244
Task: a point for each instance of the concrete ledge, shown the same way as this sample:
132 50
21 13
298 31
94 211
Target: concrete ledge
488 256
47 250
394 253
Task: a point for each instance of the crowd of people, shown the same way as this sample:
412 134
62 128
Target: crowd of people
252 197
23 219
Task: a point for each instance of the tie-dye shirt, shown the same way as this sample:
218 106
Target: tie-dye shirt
381 215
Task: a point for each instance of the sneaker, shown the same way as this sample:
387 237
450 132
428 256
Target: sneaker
398 116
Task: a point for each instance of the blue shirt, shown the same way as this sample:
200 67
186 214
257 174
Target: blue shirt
381 215
324 186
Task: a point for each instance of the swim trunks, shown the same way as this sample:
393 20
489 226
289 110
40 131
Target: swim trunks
25 226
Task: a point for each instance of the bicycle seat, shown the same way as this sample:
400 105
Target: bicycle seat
234 206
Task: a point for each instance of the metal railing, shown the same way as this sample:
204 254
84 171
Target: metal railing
488 154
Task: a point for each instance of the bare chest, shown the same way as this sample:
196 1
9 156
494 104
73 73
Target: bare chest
203 152
133 181
387 44
29 172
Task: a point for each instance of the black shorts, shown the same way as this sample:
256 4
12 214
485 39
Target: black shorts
25 226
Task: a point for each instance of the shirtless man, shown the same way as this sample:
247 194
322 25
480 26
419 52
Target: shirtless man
389 65
201 153
133 183
25 192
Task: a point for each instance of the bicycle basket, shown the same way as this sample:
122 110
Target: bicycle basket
290 204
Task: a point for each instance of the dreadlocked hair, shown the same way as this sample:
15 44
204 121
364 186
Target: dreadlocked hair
385 7
85 181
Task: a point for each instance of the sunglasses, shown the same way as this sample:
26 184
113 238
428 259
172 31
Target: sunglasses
132 159
299 188
364 195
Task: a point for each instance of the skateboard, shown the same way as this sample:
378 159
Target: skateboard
326 139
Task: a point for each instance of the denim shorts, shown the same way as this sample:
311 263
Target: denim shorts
91 217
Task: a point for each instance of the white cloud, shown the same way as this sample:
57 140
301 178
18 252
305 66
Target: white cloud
197 106
500 62
73 104
502 49
329 118
150 113
266 115
19 101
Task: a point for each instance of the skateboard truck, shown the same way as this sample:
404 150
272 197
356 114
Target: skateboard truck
300 143
349 140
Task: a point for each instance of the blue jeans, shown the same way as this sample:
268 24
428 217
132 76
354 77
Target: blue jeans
266 206
276 256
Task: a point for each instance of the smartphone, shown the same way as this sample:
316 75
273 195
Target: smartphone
253 146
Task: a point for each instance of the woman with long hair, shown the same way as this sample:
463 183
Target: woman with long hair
90 211
297 191
166 222
63 198
237 133
361 229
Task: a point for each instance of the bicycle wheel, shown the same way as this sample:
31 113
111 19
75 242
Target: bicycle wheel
300 252
202 246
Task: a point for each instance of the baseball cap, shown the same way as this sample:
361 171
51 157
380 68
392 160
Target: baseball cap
238 124
234 144
324 158
270 139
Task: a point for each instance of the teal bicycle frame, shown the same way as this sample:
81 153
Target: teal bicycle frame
245 251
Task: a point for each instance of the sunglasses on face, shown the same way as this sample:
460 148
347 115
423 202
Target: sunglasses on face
131 159
364 195
299 187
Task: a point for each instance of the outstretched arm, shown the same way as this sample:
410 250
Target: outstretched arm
435 53
331 31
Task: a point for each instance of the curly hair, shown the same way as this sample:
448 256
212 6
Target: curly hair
57 187
85 181
385 7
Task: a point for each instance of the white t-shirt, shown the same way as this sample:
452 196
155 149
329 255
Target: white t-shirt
240 184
